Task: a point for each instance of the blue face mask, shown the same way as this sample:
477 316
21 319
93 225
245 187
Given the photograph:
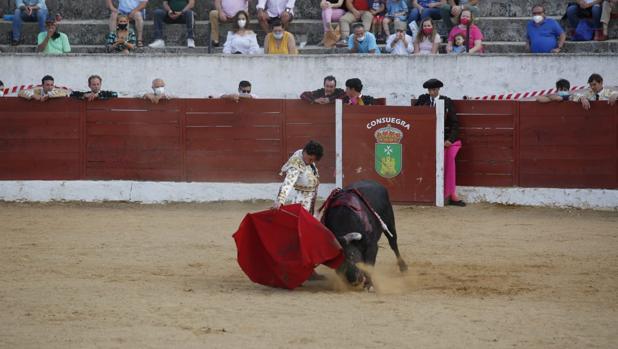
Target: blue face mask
563 93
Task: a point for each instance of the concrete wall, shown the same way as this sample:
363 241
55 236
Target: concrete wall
396 78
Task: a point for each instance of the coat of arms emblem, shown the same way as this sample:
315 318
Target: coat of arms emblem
388 159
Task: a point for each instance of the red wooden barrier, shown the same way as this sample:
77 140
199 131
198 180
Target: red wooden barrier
563 146
411 178
40 140
488 131
504 143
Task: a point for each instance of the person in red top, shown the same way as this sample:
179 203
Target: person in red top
357 10
466 23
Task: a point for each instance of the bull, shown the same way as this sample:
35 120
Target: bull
358 215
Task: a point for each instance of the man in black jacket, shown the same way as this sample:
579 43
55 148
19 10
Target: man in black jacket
94 83
452 144
325 95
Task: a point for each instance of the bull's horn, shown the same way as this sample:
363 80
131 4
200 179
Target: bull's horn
352 236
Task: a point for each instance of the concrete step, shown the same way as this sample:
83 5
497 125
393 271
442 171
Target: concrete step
308 9
93 32
490 48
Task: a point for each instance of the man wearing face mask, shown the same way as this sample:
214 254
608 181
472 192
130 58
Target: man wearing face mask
544 35
562 93
44 92
52 41
362 41
158 92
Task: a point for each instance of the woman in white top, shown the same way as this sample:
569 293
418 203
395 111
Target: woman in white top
242 40
427 40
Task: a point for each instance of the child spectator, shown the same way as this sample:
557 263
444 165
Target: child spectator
562 93
427 40
396 12
459 44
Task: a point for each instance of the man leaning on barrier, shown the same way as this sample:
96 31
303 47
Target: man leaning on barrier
46 91
158 92
325 95
595 92
94 83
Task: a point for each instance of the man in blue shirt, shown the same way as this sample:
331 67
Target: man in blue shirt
29 11
362 42
544 34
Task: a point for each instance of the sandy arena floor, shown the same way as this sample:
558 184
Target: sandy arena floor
155 276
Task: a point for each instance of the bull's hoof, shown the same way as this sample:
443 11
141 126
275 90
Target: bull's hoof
370 289
403 267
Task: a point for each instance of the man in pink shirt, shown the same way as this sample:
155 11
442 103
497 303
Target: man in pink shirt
224 11
268 10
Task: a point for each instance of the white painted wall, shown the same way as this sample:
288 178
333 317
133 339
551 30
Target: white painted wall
162 192
394 77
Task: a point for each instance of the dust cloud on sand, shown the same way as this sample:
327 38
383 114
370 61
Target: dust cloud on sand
165 276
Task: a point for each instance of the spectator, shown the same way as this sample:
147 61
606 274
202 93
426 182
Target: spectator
422 9
399 43
452 144
459 44
585 9
362 42
396 12
158 92
1 88
52 41
427 40
28 11
325 95
225 11
609 7
466 24
378 9
135 10
94 83
174 11
357 10
244 92
123 39
544 34
332 10
596 92
44 92
353 95
242 40
562 93
269 10
452 9
279 41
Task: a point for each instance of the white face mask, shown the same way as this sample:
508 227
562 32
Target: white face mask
278 36
159 91
1 92
361 39
242 23
537 19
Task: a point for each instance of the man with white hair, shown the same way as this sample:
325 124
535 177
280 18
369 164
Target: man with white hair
158 91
